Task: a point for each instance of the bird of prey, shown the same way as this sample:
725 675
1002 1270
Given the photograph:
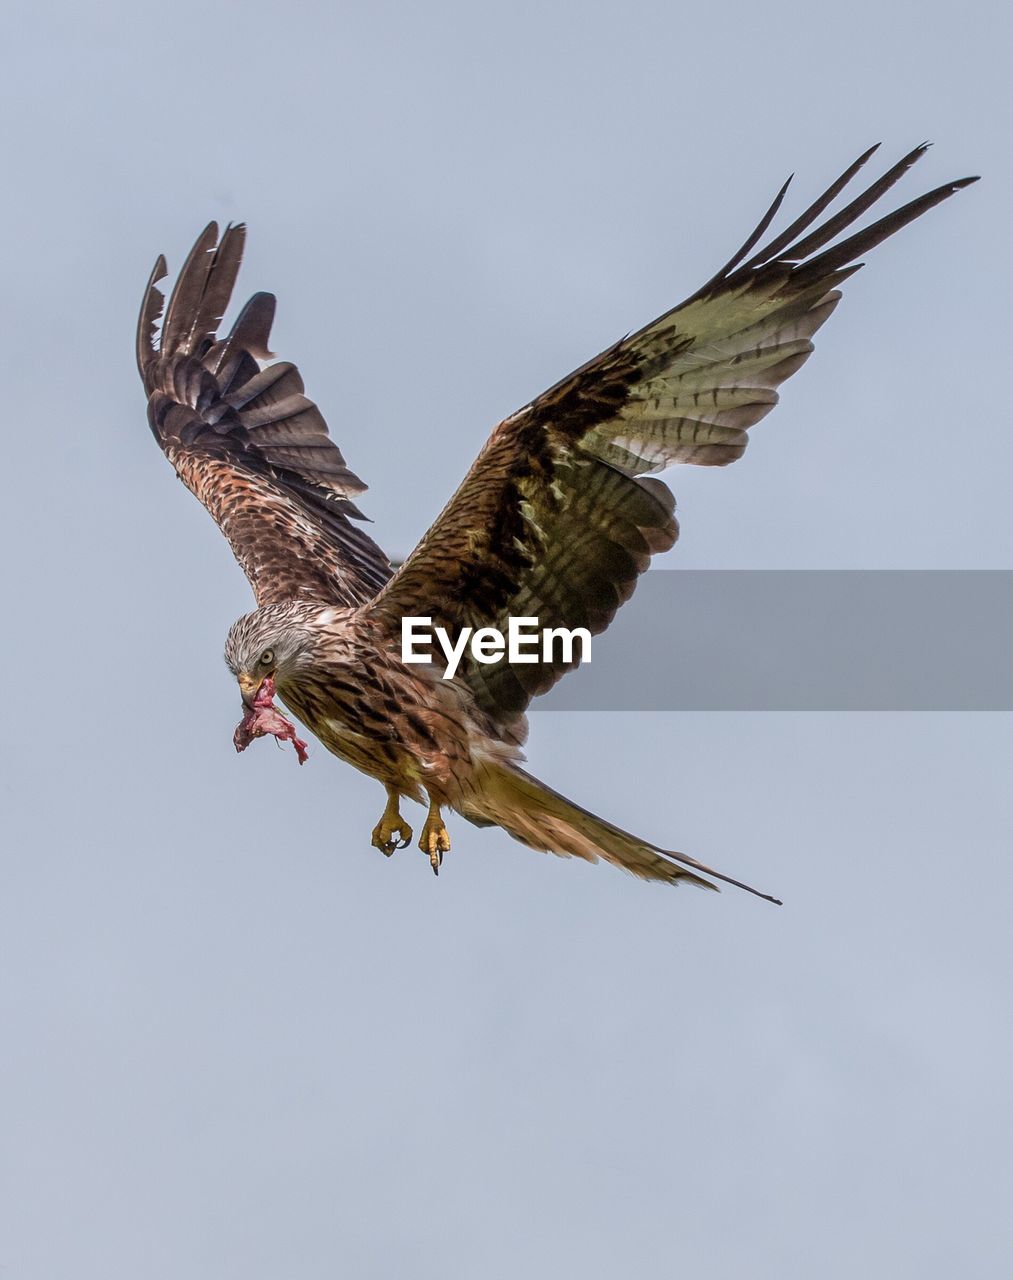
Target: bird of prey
556 519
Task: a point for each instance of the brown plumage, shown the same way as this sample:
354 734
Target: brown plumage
556 519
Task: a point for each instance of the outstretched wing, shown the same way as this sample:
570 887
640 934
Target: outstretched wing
246 441
553 521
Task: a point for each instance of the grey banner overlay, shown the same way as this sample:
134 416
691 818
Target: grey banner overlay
850 640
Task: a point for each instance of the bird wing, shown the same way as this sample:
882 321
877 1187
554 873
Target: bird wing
246 440
558 516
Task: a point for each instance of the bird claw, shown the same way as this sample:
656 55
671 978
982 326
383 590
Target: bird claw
435 840
391 834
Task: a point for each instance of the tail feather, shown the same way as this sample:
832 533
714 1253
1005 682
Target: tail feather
542 819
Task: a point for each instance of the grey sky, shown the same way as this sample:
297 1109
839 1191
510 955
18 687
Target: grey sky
239 1043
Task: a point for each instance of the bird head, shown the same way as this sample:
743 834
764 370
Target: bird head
266 643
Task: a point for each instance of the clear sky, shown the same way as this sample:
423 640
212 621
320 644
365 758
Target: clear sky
240 1045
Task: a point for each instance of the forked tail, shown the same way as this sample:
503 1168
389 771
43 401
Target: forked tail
541 818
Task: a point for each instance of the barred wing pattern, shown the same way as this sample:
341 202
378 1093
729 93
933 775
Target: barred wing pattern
558 516
246 441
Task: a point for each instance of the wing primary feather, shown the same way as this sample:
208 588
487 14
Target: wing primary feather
151 312
754 237
833 226
840 255
252 329
248 337
804 220
220 280
184 301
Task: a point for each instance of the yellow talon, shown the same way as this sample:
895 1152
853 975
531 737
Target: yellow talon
435 840
391 832
388 837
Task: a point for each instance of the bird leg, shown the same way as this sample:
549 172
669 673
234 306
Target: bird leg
434 839
391 832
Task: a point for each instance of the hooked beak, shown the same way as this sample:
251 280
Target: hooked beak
249 687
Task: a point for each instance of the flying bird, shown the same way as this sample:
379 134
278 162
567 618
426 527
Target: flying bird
556 520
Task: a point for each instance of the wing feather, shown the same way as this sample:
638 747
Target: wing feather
559 515
246 440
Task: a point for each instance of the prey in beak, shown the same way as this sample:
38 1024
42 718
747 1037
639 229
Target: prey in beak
262 717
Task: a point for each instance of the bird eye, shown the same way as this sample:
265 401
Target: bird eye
267 658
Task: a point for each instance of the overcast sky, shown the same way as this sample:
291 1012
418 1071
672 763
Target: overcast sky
237 1043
